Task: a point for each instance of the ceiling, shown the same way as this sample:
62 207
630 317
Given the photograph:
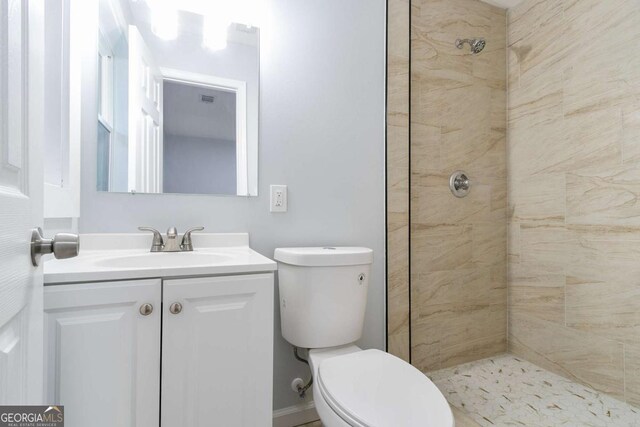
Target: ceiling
186 115
506 4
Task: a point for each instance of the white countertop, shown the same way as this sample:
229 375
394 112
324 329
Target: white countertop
106 257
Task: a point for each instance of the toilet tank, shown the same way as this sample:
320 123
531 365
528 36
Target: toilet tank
323 294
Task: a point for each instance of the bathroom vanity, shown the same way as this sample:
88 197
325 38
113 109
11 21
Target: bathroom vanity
134 338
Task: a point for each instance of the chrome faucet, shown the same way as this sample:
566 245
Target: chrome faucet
158 243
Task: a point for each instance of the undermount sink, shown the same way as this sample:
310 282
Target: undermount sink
164 260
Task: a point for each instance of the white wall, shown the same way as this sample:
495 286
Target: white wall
321 133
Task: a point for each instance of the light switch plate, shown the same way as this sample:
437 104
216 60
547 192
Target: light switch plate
278 198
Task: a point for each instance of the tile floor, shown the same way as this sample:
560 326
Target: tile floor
462 420
508 391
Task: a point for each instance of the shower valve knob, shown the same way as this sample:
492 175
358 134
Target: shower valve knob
459 184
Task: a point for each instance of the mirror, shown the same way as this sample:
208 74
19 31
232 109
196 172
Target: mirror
177 87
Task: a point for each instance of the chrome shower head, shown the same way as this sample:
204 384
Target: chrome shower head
476 45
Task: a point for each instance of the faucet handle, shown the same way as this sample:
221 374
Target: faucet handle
172 233
186 244
157 244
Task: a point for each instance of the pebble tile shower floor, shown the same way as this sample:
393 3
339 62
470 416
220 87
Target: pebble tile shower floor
508 391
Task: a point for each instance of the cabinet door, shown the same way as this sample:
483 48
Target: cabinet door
102 355
217 352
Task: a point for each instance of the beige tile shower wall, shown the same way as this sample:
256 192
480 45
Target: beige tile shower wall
398 178
458 121
574 190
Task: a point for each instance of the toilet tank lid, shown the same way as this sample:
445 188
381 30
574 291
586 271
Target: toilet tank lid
324 256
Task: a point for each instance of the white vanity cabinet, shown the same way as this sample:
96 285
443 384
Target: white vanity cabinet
214 336
102 354
217 351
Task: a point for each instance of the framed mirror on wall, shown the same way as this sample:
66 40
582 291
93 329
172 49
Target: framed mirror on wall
177 91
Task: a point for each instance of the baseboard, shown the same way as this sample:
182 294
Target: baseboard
295 415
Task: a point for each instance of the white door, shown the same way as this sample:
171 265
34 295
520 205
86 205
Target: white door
21 187
103 352
145 117
217 351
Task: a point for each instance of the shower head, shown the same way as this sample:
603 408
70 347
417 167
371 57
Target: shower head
476 45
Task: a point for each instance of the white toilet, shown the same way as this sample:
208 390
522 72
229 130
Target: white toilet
323 295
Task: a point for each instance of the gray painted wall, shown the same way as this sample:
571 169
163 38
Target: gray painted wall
198 165
321 133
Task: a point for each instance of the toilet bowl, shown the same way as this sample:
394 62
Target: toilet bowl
355 387
323 294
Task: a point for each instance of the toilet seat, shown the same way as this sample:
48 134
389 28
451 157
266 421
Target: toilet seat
372 388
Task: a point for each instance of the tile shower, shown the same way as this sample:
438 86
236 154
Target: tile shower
540 263
458 245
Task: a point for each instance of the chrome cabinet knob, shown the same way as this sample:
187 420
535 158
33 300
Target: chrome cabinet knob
62 246
175 308
146 309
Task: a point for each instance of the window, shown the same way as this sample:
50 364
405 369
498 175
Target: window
105 113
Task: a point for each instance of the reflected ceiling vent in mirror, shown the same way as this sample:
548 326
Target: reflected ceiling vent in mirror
246 28
207 99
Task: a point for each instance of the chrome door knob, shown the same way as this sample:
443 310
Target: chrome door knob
146 309
62 246
175 308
